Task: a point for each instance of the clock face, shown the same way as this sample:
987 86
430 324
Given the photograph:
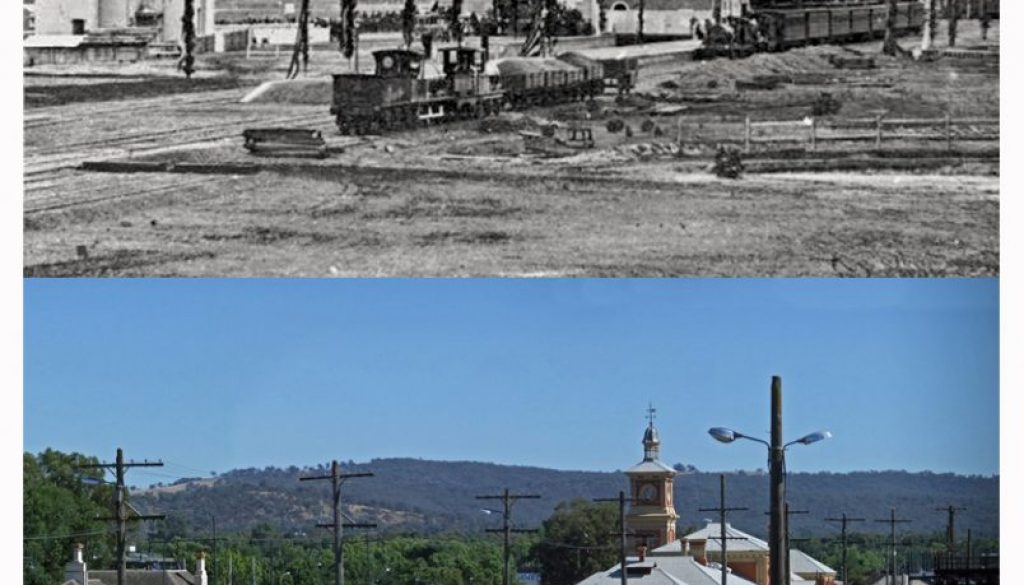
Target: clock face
648 492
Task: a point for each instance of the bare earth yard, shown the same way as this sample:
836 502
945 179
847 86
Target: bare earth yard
467 200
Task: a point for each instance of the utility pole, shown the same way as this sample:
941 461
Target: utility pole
622 533
507 500
721 509
845 520
337 525
253 565
892 521
788 539
950 526
121 505
778 571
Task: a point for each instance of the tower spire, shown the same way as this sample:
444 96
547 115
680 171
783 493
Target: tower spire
652 445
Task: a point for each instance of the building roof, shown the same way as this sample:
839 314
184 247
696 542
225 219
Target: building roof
738 540
54 41
698 5
655 466
804 564
143 577
677 570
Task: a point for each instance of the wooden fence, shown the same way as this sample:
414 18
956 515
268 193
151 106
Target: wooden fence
814 131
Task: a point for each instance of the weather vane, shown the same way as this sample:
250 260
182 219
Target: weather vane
650 413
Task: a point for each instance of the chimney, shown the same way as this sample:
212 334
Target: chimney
76 569
685 542
641 552
699 551
200 576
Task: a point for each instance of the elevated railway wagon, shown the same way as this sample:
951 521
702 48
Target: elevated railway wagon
401 93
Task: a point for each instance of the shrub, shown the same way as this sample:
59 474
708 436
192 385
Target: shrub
615 125
728 163
825 105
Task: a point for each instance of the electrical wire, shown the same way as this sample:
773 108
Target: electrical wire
61 536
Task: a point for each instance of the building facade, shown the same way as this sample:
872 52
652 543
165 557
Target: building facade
159 18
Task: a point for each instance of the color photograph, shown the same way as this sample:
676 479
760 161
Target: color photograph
512 432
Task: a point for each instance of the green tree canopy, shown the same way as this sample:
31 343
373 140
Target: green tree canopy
60 510
578 540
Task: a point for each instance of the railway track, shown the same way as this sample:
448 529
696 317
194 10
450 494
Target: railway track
51 184
145 187
41 162
49 115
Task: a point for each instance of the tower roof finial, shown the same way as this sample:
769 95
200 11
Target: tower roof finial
650 414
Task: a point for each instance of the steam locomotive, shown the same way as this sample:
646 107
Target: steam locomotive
403 91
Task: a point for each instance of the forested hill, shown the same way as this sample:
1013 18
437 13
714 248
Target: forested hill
412 495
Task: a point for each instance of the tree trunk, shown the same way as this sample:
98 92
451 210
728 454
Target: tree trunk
928 37
889 47
188 39
640 23
954 17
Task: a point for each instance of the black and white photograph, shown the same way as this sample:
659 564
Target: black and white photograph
511 138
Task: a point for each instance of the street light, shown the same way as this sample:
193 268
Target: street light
777 537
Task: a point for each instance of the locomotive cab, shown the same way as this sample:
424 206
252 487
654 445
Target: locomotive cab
400 63
464 67
462 60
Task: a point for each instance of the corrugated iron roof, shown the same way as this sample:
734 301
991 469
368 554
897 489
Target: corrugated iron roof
804 564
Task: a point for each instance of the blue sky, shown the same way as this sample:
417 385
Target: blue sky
218 374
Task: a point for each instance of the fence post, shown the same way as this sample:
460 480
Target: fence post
878 131
814 133
746 134
679 131
949 131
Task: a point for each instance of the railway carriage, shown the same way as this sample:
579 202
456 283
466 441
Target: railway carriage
782 28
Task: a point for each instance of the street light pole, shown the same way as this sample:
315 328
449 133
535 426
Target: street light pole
776 528
778 572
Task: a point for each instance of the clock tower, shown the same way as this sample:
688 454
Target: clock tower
652 516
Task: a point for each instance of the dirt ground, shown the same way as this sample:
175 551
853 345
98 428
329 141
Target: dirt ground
467 199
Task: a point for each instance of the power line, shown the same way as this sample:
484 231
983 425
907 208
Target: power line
845 520
722 510
622 527
950 526
121 505
337 525
508 499
74 535
892 521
